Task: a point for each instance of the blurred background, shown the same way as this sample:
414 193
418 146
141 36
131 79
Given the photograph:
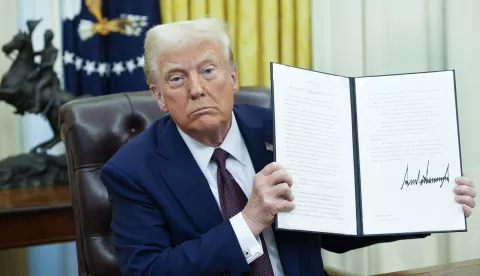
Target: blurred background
348 37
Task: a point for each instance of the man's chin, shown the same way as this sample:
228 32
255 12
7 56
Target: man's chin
206 123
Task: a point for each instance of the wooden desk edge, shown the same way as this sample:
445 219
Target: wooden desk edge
33 209
38 226
35 242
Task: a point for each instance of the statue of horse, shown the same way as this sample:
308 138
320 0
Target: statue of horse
18 89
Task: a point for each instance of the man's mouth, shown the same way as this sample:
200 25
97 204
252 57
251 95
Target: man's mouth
201 110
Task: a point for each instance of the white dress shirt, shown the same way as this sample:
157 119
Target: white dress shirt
240 166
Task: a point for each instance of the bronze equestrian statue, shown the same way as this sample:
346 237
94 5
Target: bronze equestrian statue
45 73
34 88
33 170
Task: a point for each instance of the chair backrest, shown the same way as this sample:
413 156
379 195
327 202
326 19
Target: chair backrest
93 129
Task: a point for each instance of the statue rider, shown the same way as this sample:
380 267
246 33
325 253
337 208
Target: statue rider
46 73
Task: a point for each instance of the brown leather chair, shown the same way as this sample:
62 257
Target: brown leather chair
93 129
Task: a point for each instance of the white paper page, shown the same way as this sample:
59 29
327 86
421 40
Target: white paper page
313 140
408 120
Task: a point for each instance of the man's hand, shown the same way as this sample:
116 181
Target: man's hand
465 194
270 194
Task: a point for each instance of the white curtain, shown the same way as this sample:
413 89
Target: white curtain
53 259
9 140
368 37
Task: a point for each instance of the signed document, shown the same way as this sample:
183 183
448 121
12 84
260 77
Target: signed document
368 155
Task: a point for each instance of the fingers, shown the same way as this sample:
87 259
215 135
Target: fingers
464 189
270 168
467 200
281 176
283 191
465 194
467 210
464 181
286 206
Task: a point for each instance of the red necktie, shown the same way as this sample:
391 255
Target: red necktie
232 201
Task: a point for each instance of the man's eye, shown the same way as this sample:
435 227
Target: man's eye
208 71
175 79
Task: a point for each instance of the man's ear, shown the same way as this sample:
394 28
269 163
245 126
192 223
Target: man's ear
158 97
236 85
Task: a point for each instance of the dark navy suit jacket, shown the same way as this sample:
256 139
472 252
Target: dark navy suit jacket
165 220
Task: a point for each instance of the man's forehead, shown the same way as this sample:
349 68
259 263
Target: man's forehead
174 61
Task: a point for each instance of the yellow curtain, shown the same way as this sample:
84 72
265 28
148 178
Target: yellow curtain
261 31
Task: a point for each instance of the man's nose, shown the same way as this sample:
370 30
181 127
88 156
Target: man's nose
196 87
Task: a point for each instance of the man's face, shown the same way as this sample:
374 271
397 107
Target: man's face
196 85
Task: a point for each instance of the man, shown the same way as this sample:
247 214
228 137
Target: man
46 72
196 192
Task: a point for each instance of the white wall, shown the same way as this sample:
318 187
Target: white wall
368 37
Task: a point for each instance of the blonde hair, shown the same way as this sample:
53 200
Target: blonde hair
162 38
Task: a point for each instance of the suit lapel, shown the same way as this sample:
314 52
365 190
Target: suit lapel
256 134
182 174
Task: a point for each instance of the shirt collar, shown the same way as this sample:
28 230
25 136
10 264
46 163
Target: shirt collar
233 144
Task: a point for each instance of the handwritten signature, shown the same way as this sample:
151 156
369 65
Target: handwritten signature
425 179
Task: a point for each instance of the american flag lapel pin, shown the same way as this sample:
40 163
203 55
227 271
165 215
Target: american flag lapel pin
268 146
